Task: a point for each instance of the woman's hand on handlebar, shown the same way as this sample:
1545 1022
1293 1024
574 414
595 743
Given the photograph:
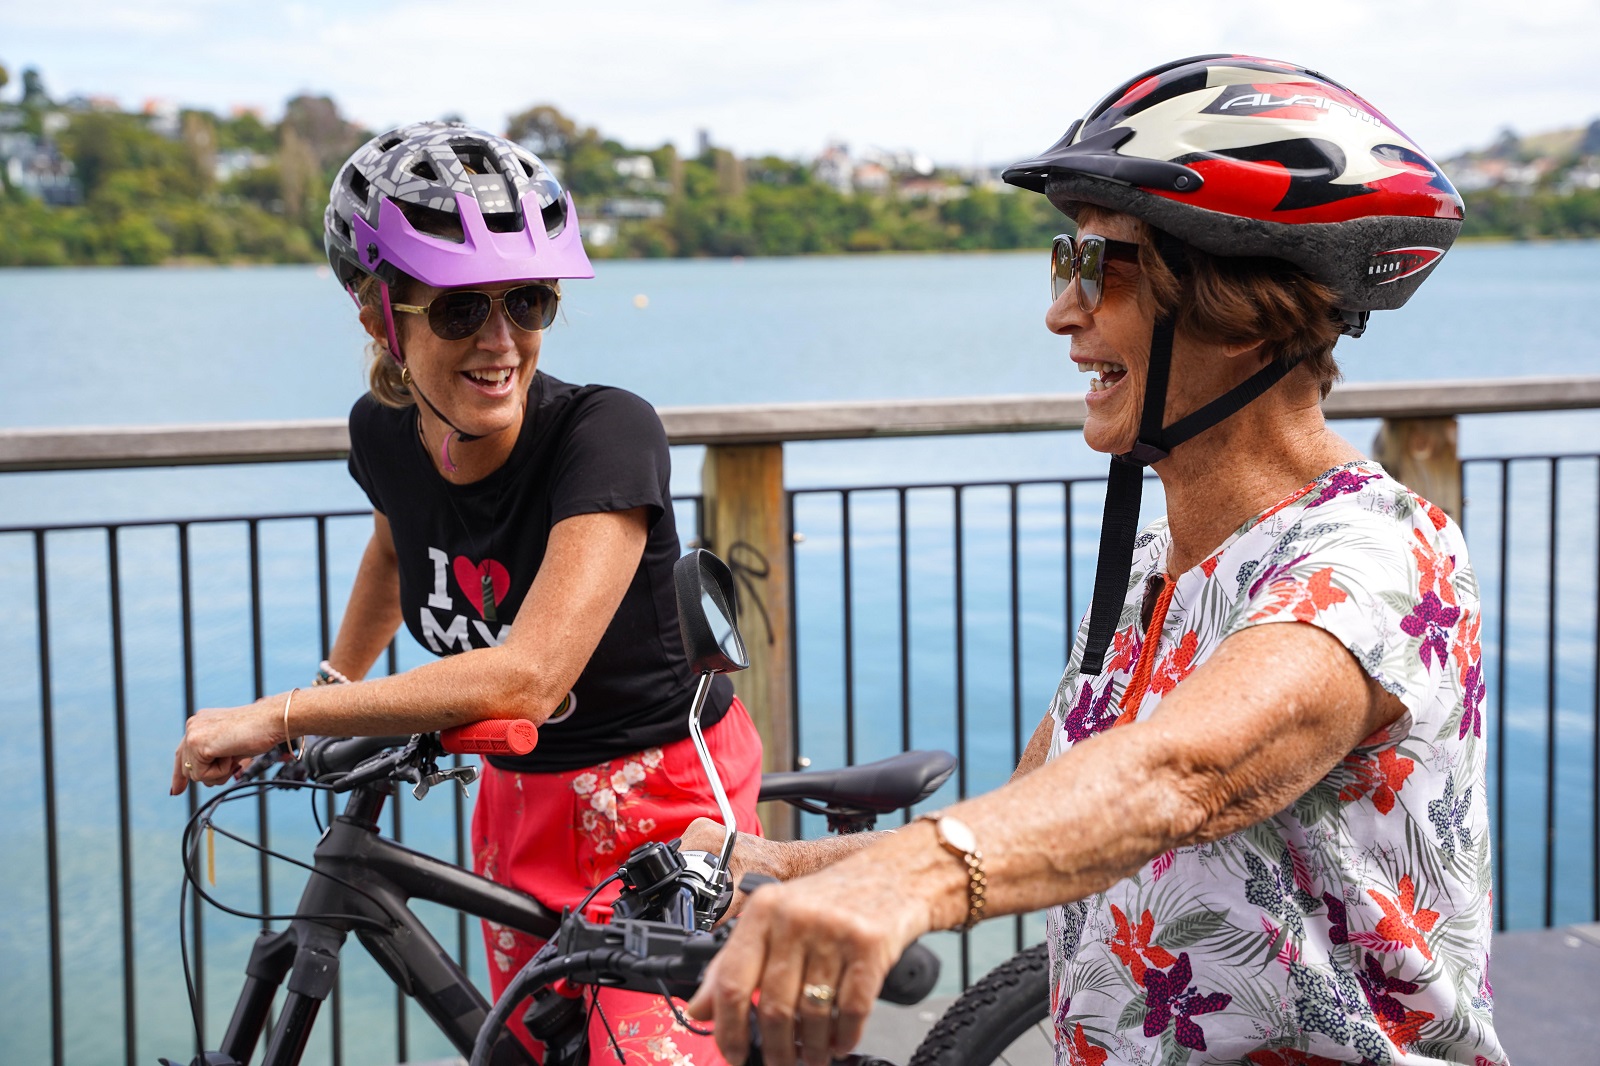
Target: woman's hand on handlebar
751 855
835 934
219 742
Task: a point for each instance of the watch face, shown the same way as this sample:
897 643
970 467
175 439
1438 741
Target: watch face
957 833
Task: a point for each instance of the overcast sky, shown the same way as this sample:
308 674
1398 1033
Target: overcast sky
961 80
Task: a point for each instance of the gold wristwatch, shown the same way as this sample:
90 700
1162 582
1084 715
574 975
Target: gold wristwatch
957 838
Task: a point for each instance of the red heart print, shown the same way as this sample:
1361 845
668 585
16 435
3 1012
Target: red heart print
470 575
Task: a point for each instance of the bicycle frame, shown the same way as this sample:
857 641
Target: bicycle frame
385 875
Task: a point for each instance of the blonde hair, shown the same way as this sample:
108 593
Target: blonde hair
384 378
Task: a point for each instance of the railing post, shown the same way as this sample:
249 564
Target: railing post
1420 453
747 524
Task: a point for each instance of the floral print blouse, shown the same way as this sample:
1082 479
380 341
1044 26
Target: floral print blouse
1352 927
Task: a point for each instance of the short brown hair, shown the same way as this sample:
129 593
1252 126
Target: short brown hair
1241 299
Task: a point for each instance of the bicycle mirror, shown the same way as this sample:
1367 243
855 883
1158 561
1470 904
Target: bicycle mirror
707 615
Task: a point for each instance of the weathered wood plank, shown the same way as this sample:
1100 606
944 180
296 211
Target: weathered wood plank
747 525
269 442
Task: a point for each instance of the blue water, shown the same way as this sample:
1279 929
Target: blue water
116 347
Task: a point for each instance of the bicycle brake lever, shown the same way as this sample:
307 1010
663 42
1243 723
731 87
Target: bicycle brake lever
461 775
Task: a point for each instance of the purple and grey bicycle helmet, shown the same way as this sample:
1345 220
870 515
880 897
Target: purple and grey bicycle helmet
450 205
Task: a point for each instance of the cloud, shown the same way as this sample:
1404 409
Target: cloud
957 80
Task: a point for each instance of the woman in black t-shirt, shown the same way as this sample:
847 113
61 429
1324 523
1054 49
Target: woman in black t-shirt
523 531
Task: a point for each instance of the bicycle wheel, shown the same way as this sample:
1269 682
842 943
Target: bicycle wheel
1000 1021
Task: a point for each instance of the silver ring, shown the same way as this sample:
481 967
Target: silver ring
821 994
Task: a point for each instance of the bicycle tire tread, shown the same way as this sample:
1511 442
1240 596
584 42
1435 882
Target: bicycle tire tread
972 1016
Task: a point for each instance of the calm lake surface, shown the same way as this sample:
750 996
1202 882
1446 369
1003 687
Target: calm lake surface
119 347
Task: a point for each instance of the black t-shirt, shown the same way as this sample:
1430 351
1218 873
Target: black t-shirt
468 554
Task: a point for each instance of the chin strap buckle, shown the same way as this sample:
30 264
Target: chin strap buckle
1144 453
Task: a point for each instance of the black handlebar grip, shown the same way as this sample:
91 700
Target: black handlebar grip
335 755
912 978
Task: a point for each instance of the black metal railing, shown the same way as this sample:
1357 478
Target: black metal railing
925 615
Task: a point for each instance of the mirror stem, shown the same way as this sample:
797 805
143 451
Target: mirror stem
700 694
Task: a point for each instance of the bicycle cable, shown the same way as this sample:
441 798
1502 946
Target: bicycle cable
202 817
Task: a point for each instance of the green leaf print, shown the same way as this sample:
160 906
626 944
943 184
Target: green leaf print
1132 1014
1172 1052
1266 842
1190 929
1320 802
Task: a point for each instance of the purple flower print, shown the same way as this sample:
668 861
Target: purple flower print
1275 571
1340 484
1473 690
1089 715
1338 920
1432 621
1169 997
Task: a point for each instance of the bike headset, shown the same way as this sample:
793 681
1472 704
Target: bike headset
1241 156
449 206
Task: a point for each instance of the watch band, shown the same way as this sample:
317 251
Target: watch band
963 847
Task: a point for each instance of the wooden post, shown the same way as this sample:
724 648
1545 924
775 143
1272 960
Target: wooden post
746 523
1420 453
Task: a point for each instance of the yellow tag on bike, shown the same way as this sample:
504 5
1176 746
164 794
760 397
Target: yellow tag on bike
211 855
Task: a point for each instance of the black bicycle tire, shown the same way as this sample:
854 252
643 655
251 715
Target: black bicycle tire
987 1017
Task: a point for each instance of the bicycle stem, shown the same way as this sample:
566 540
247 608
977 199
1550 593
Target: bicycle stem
728 827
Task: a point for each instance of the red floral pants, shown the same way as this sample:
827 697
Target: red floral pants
557 835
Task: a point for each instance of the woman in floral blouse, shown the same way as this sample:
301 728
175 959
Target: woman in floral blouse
1255 807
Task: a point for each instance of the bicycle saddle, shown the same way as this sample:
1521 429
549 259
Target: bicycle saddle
882 786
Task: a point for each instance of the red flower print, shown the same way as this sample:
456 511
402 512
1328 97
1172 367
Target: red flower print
1082 1053
1288 1056
1466 649
1433 569
1435 513
1133 946
1176 665
1382 776
1125 647
1403 921
1209 567
1317 593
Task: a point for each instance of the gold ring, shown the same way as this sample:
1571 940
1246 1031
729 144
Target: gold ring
187 766
818 993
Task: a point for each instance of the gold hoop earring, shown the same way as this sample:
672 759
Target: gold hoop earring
405 376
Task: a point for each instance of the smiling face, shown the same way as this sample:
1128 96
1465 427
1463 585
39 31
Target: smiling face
480 383
1113 344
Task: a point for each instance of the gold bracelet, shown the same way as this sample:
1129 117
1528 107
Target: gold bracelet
288 740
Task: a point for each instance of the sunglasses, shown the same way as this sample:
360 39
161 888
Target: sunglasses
1085 258
458 314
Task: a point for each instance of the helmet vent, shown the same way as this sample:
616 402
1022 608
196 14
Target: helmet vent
432 221
474 159
388 143
555 218
358 185
527 167
424 169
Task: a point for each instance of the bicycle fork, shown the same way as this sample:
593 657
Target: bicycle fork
308 954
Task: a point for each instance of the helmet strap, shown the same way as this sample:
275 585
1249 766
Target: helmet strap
410 383
1125 482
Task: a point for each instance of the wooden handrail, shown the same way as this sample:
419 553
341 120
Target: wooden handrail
106 448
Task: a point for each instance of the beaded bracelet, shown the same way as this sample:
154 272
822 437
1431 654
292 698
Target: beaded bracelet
327 675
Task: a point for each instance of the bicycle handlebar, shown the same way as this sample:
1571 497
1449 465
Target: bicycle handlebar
325 756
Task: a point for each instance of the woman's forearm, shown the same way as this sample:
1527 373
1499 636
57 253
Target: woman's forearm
373 613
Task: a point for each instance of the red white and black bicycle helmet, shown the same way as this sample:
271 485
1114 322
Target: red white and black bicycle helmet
1241 156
